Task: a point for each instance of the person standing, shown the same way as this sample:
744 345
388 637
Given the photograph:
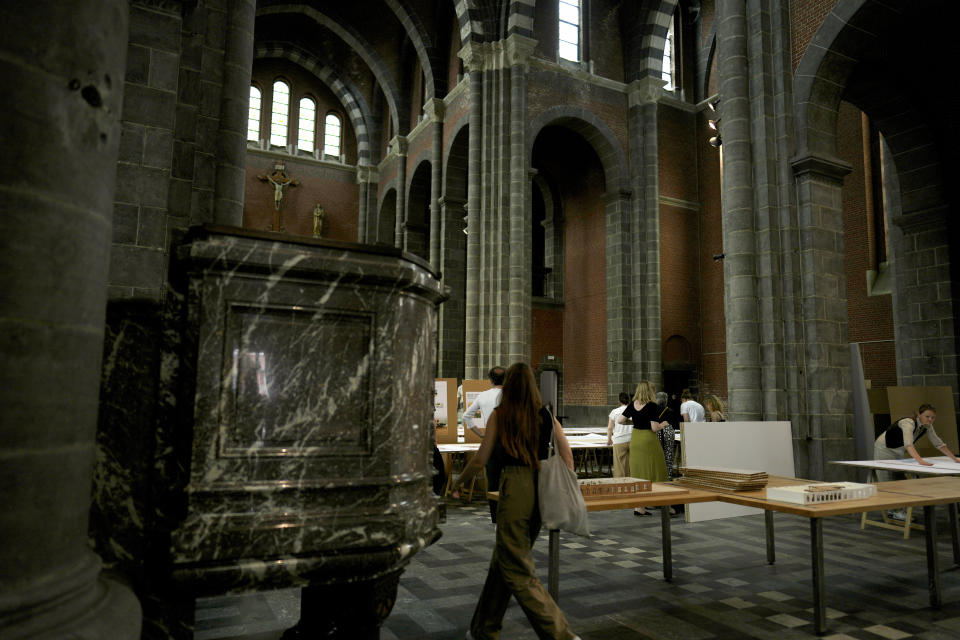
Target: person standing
667 435
714 409
690 409
899 439
517 437
618 436
646 455
484 404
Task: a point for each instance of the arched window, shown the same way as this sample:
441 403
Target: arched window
308 125
280 114
253 116
569 30
331 135
669 57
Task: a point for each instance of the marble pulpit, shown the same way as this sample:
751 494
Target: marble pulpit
294 438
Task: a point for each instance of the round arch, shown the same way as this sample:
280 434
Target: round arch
352 100
597 134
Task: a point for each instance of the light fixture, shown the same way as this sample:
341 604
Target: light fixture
714 123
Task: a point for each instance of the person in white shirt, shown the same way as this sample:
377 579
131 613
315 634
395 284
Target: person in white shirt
618 435
484 404
690 409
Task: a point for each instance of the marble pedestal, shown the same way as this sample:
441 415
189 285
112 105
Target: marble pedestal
303 447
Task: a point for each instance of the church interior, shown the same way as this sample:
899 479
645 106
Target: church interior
242 239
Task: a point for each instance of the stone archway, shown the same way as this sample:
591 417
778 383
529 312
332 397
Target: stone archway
853 57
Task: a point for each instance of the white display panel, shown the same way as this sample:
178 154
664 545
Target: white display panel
760 446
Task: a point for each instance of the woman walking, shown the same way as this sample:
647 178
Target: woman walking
517 438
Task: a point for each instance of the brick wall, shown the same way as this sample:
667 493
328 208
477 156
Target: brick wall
713 371
679 238
870 317
584 316
549 89
331 185
805 18
546 334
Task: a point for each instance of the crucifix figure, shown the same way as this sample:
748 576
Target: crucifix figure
280 181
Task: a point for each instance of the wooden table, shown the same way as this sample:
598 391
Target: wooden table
661 494
925 492
942 466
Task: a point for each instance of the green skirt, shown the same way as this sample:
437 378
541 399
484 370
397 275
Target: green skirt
646 456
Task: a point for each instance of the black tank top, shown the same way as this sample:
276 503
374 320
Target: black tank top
503 459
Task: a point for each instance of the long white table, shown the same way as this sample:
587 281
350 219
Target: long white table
942 465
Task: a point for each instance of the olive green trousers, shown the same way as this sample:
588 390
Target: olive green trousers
511 568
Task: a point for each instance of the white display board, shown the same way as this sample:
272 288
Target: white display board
759 446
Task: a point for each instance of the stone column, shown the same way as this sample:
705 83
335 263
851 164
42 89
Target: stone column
739 216
519 49
923 309
435 111
825 361
62 67
644 356
620 372
473 63
234 104
399 144
366 227
453 269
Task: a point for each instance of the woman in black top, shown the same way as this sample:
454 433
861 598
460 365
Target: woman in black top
646 455
517 438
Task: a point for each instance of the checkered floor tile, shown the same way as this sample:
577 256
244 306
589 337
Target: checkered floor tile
612 587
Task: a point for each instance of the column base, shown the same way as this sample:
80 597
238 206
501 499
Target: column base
112 611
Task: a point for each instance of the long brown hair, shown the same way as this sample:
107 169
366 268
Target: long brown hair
518 419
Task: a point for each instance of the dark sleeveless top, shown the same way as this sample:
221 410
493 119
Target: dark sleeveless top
641 419
894 434
500 456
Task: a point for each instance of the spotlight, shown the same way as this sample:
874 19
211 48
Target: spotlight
713 104
715 141
714 124
717 257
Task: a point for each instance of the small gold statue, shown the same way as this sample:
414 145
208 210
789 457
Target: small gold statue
317 221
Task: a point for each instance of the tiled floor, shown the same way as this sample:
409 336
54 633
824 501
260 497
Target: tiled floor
612 587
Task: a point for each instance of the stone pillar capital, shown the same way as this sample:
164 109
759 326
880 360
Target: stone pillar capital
367 174
474 56
448 201
519 49
399 145
646 90
833 169
435 110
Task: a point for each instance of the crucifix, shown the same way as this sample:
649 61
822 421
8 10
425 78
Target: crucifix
279 180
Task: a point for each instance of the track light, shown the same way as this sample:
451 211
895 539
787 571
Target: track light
714 124
715 141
